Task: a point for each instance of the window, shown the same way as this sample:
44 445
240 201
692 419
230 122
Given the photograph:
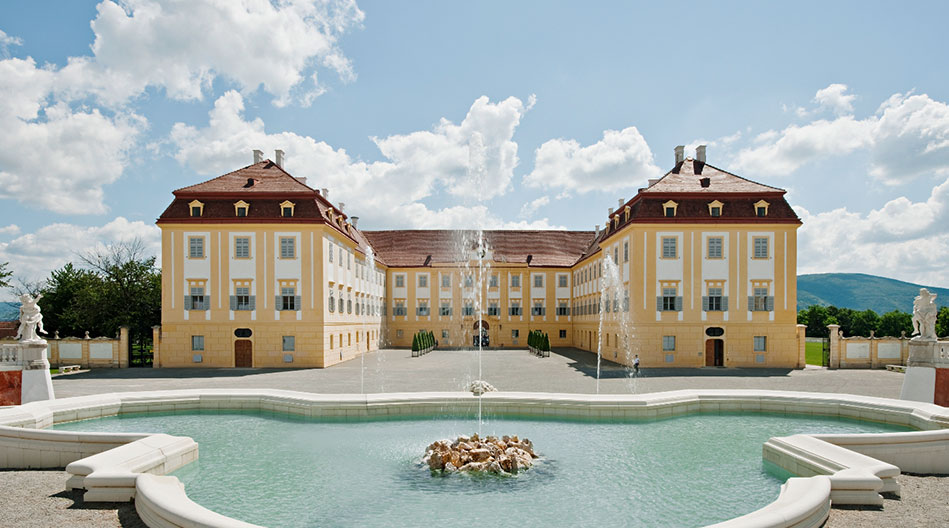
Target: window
494 309
196 208
467 309
286 209
761 247
761 343
668 343
340 256
670 211
761 208
515 333
715 245
423 281
399 308
444 334
196 247
515 281
493 280
342 304
538 281
195 211
197 301
562 281
422 308
349 260
242 298
563 334
515 308
349 305
538 308
242 247
241 211
562 308
714 300
330 253
615 254
445 308
400 281
669 208
446 281
288 299
759 302
626 302
288 247
332 303
398 333
241 208
669 301
289 343
197 342
669 250
469 281
626 251
715 211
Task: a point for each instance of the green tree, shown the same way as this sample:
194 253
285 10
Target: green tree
816 318
894 323
863 323
4 274
942 322
66 295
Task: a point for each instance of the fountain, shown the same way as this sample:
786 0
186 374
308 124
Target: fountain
612 290
501 456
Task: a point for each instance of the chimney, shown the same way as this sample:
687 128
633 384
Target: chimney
341 206
301 179
653 181
680 154
325 192
355 221
597 230
258 156
611 212
620 204
279 158
700 153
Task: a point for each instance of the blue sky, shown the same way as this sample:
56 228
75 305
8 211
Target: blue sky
457 114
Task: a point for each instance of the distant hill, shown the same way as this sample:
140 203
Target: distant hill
860 292
9 311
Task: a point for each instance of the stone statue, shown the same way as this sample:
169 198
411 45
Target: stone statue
30 320
924 316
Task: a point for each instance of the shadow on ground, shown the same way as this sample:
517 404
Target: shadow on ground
128 517
585 363
158 373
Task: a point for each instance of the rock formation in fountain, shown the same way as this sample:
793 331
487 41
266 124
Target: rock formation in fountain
480 387
502 456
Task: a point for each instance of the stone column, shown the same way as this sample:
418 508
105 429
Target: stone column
834 345
123 347
37 383
927 372
801 346
156 348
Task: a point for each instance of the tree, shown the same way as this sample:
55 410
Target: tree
942 322
816 318
4 275
863 323
66 298
894 323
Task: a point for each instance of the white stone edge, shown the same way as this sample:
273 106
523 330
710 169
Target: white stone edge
855 468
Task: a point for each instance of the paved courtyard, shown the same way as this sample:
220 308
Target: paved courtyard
566 370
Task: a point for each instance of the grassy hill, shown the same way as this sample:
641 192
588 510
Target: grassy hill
860 291
9 311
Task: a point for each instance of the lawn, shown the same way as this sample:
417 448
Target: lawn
813 353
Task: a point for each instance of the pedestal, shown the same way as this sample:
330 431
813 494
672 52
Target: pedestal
927 372
37 383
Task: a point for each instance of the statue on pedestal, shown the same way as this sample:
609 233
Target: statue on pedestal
924 316
30 320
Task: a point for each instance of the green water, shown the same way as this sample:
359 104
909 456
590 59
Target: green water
278 471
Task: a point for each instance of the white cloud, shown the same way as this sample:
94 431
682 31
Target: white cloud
621 160
33 255
835 98
388 193
11 229
902 239
6 41
906 138
530 208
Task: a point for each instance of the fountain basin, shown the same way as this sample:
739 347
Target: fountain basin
498 407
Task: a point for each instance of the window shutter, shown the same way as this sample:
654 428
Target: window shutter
751 303
296 302
704 303
277 305
187 302
207 303
769 303
659 303
679 303
233 299
252 302
724 304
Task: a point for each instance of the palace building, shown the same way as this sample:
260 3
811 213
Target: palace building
699 268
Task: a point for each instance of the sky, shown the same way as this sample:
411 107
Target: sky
439 114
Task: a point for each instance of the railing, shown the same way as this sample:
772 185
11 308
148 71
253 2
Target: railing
9 355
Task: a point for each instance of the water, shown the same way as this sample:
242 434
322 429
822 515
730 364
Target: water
613 310
284 472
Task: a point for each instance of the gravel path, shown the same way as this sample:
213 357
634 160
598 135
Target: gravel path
35 499
924 502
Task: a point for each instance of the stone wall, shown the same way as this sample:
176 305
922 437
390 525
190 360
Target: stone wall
98 352
866 352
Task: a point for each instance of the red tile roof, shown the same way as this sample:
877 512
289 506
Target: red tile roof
263 177
687 177
416 248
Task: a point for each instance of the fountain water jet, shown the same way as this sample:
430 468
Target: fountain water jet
611 290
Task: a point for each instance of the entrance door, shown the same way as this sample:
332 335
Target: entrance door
714 353
243 353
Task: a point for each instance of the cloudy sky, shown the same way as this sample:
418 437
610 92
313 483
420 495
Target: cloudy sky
500 114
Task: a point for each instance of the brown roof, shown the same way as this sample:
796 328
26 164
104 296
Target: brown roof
417 248
263 177
687 177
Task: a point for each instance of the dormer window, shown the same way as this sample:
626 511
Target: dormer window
241 208
197 208
715 208
616 221
286 209
761 208
627 210
669 208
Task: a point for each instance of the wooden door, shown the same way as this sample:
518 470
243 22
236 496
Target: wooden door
243 353
719 353
710 352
